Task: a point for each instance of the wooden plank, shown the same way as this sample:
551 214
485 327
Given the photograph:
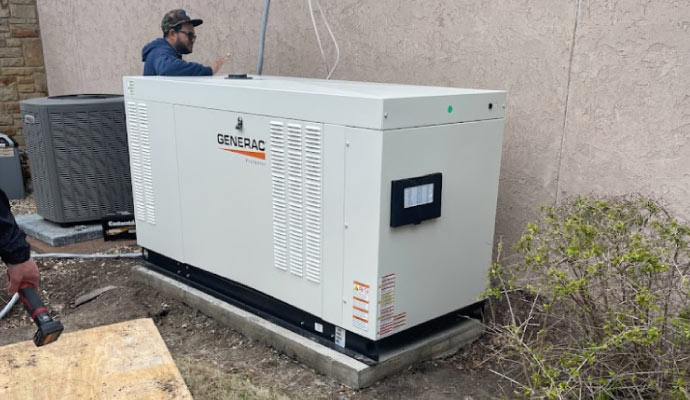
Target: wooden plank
124 361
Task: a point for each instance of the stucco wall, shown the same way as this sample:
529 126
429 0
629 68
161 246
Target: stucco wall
628 118
597 94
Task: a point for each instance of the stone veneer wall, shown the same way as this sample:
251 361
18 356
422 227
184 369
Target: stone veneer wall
22 73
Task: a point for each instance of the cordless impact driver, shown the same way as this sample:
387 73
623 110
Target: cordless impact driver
48 329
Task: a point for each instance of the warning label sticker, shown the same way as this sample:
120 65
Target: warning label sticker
358 323
359 313
360 290
389 321
360 305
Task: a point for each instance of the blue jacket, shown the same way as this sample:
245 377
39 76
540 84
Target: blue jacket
160 58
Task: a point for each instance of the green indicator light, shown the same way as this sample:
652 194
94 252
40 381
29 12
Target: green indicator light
450 109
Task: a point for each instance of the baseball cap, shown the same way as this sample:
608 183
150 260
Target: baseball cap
176 17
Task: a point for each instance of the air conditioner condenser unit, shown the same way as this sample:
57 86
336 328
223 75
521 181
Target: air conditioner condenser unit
77 149
360 212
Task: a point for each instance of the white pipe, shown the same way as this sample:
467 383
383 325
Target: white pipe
9 305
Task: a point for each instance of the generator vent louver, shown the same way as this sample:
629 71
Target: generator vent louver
142 174
296 171
77 149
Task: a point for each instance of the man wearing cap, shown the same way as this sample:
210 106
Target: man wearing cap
163 56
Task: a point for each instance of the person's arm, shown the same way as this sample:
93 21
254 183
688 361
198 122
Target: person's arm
172 66
14 250
219 63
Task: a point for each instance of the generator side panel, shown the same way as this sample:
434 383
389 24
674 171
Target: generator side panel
334 150
438 206
362 197
252 201
154 170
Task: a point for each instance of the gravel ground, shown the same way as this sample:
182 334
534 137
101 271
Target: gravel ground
25 206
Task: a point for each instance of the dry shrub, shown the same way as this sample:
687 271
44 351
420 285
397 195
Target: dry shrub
598 306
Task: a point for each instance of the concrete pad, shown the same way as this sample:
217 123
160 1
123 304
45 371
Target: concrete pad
86 247
329 362
55 235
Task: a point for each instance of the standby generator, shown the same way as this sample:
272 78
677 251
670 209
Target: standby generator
360 214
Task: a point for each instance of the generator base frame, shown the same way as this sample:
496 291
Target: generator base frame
280 313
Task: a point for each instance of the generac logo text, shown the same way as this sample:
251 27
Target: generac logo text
243 145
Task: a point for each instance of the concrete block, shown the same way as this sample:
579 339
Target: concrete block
11 108
29 88
11 62
24 31
22 11
24 96
11 52
347 370
33 52
55 235
41 82
11 71
8 92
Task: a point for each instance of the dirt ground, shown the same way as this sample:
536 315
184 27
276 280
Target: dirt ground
216 361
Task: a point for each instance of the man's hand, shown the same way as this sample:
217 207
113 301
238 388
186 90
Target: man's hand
219 63
24 272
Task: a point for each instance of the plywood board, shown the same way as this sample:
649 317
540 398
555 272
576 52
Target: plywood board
123 361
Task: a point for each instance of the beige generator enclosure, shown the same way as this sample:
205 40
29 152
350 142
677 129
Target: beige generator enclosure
359 214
